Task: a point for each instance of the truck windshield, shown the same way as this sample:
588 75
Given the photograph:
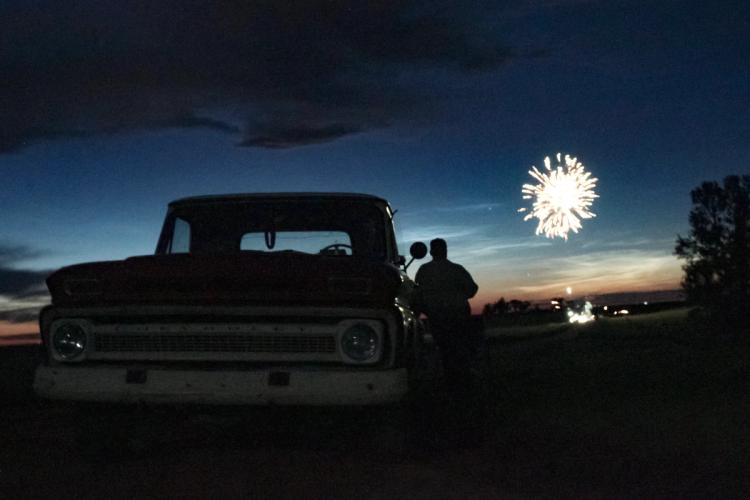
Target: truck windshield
340 228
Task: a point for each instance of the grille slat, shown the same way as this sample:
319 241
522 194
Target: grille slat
220 343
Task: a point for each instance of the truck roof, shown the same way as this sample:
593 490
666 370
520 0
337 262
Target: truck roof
245 197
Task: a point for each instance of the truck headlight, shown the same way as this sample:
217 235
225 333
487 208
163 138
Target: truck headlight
69 340
360 342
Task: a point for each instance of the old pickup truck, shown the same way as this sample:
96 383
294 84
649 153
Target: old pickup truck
290 298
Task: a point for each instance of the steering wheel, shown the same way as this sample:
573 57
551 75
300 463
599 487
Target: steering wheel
335 246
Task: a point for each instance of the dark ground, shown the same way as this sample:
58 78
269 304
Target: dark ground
640 407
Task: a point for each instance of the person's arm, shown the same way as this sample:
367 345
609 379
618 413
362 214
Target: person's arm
470 286
417 298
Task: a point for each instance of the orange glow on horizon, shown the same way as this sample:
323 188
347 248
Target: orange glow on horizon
8 329
18 333
592 274
491 295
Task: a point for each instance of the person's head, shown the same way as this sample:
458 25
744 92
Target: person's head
439 249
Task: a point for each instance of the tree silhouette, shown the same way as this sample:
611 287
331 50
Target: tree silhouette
717 249
500 307
487 311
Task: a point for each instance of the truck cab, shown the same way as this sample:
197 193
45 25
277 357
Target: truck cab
258 299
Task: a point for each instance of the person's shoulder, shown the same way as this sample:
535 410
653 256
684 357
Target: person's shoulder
459 268
426 266
455 264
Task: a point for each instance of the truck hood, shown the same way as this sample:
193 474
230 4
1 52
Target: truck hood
241 279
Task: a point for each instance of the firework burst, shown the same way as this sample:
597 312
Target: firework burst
562 197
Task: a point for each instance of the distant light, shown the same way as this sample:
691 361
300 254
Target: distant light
623 311
554 302
582 316
568 290
605 308
645 303
562 197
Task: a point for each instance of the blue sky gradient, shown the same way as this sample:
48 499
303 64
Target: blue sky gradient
651 98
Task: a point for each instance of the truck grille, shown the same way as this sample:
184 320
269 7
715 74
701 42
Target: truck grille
215 342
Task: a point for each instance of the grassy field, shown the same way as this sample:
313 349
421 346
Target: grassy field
639 405
652 406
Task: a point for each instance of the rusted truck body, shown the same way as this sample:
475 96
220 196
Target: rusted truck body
258 299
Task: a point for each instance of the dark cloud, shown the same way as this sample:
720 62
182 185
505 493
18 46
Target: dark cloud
20 315
290 73
16 253
14 282
22 291
287 137
19 283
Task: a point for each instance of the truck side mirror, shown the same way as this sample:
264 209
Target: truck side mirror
417 250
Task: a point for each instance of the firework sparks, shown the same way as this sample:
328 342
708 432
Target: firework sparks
562 197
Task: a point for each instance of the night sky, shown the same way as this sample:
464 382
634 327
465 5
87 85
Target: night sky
111 109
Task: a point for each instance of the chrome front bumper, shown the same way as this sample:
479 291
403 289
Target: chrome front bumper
295 386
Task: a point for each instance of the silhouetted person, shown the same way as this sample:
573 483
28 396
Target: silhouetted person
444 292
